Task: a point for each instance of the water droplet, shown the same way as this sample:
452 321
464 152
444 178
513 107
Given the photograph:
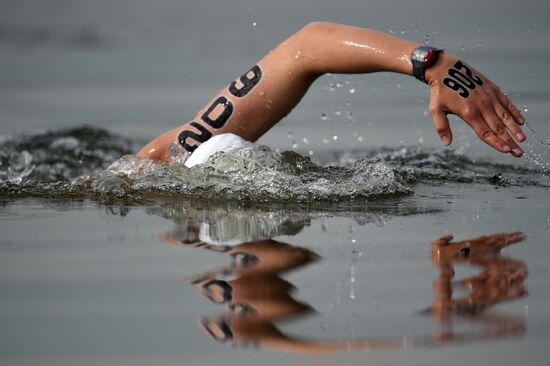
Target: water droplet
525 108
334 137
337 112
326 141
479 44
403 31
352 91
324 116
360 138
462 48
294 145
305 140
254 24
310 152
289 135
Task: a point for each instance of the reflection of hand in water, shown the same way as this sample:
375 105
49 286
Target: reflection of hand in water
501 279
258 297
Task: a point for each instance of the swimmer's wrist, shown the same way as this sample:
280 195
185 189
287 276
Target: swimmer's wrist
434 73
423 59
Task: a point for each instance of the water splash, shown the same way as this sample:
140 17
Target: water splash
61 155
82 161
539 159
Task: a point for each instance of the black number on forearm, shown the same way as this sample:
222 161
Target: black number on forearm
199 138
459 82
224 115
249 80
210 119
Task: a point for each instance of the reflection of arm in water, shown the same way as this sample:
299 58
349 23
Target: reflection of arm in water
265 94
257 298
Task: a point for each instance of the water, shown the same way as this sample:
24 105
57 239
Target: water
109 266
313 246
81 161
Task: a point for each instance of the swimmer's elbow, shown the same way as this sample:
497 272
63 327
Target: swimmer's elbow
308 42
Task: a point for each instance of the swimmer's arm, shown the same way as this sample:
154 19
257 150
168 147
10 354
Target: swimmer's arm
284 75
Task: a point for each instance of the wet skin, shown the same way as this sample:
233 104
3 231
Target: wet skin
268 91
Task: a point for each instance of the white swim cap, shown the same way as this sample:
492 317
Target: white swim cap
223 142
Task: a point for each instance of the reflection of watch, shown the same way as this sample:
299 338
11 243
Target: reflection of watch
424 57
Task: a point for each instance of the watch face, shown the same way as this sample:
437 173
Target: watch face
431 59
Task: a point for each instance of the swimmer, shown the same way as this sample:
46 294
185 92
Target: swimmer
268 91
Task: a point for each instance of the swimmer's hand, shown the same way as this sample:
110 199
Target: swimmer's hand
457 88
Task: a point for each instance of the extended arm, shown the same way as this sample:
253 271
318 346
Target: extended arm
265 94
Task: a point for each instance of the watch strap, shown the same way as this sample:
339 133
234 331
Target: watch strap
422 58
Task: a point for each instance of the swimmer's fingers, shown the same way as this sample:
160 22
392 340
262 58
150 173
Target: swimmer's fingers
513 128
474 118
441 123
499 128
511 108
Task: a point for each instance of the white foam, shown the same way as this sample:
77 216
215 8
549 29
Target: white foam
223 142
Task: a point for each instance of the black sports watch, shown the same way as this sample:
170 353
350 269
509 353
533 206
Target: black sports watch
424 57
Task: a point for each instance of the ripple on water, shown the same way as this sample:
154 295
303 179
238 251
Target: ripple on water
84 161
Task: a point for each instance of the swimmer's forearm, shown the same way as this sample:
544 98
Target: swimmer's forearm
337 48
